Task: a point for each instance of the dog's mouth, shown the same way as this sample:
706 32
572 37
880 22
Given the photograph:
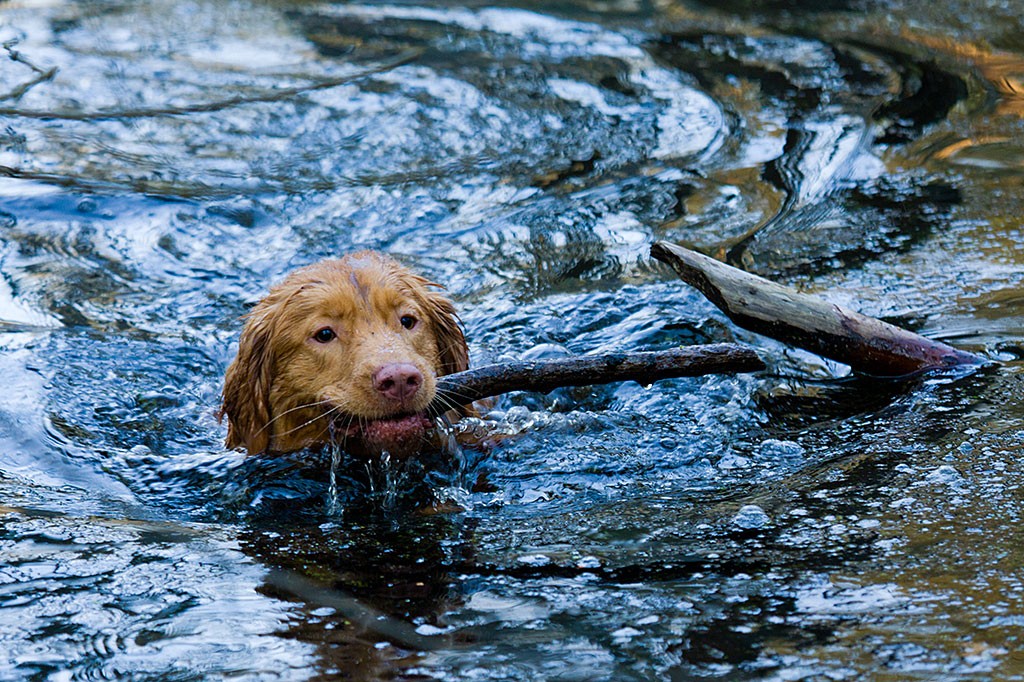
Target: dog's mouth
399 435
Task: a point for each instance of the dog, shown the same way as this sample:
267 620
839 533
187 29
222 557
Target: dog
343 351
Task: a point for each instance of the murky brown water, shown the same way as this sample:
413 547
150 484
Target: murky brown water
162 162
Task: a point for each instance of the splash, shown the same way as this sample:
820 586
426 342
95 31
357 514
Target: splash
334 506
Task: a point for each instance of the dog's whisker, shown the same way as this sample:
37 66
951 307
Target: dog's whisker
306 406
448 403
464 397
303 425
344 430
451 400
456 395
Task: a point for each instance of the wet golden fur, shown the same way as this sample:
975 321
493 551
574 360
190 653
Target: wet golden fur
286 390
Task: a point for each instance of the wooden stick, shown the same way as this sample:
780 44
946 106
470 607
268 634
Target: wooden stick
864 343
546 375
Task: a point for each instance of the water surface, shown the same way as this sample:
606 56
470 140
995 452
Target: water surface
161 163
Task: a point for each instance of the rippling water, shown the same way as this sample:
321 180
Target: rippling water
161 163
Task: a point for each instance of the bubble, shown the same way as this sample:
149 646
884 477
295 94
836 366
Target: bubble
751 517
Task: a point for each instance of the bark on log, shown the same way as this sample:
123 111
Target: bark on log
866 344
542 376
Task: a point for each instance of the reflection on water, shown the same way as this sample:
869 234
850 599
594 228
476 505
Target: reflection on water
162 162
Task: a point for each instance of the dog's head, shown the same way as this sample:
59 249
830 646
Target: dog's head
347 349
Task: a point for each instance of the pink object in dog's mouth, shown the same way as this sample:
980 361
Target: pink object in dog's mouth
399 436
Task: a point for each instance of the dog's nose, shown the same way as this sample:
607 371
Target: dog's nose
398 381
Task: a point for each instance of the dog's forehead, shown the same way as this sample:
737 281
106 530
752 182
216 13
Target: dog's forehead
362 283
364 276
369 275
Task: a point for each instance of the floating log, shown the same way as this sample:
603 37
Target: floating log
543 376
866 344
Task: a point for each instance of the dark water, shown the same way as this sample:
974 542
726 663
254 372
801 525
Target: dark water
163 162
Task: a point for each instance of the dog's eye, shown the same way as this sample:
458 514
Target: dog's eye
408 321
325 335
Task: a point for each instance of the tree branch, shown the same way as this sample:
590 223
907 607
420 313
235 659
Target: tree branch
42 75
543 376
274 95
864 343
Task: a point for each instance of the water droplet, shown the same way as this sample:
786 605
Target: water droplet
334 507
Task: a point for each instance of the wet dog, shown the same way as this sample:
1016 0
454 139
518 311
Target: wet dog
345 351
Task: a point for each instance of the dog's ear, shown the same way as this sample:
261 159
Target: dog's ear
246 398
451 342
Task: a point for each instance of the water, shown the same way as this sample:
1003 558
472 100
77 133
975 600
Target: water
161 163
